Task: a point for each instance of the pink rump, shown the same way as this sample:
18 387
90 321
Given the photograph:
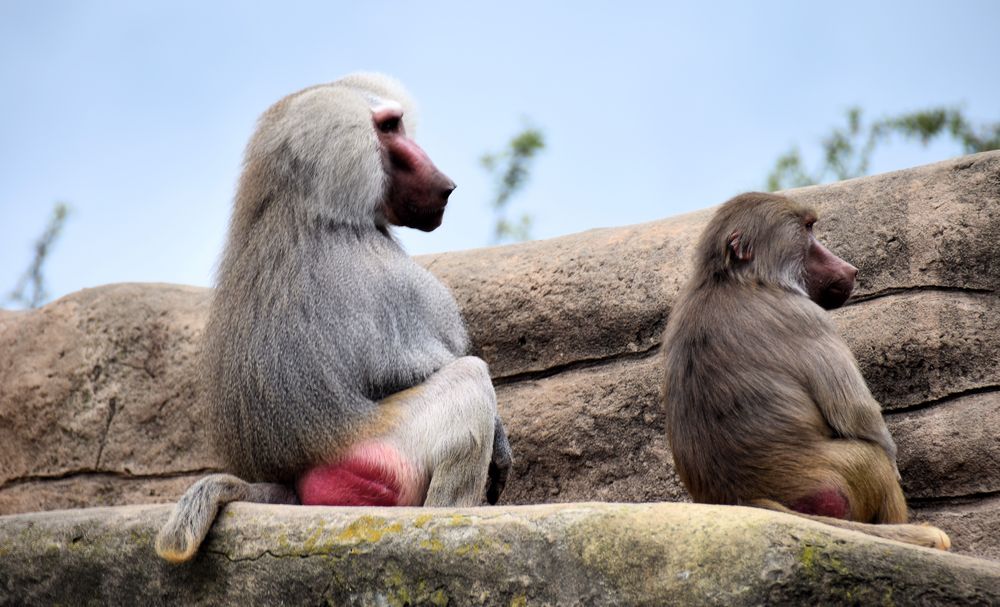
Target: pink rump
828 502
370 474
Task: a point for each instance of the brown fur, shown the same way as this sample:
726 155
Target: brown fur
765 403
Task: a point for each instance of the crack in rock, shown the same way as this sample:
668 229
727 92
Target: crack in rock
112 410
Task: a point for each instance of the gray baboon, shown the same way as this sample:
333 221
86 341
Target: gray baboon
335 365
765 404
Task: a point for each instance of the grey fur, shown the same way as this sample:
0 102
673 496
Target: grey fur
448 432
193 516
319 314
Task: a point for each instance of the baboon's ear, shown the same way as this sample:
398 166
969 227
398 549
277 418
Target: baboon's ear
739 247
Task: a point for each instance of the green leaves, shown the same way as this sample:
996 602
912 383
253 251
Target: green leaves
30 289
848 150
511 168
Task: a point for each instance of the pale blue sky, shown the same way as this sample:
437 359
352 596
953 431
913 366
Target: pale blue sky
136 113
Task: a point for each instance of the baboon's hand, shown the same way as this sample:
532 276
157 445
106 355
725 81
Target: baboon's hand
500 463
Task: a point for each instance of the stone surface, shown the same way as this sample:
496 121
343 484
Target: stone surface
103 380
538 306
590 434
99 402
919 347
935 226
577 554
952 449
973 524
86 490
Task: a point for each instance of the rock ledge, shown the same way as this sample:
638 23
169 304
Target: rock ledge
556 554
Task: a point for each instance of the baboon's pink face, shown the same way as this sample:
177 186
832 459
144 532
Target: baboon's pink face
418 192
829 279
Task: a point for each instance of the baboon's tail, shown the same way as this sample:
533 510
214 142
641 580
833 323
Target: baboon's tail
195 512
920 535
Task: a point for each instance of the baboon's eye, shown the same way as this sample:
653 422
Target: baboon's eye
391 124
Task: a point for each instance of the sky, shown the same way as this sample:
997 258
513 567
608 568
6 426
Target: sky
136 114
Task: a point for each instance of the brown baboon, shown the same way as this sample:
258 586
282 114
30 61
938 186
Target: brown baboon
335 365
765 404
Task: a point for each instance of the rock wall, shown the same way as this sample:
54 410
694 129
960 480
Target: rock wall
98 405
